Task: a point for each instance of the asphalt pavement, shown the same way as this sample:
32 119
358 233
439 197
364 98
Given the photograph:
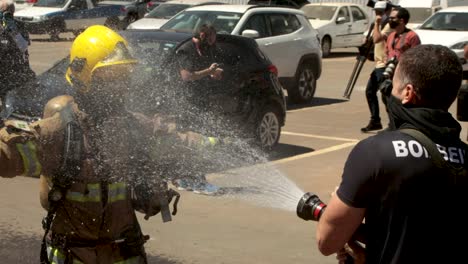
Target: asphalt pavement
313 148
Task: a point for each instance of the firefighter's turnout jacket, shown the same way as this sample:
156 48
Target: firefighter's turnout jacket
95 221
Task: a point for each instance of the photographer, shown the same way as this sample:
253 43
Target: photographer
402 38
411 197
199 71
197 57
380 32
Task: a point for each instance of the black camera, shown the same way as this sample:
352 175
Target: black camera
390 68
310 207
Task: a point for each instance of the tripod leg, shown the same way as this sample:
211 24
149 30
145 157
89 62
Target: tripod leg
354 75
355 79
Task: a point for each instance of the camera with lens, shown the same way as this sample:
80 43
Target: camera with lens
390 68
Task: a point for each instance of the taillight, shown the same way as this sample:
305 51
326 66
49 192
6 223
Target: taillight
31 1
123 9
149 4
272 68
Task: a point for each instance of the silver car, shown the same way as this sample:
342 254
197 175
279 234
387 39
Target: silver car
163 12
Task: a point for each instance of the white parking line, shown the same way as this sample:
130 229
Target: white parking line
314 153
318 136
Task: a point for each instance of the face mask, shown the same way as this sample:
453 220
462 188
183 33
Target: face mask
394 24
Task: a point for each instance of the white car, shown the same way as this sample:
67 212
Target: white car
448 27
22 4
164 11
340 25
283 34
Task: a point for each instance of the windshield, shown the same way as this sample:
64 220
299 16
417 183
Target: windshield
419 15
166 10
224 22
51 3
447 21
321 12
150 51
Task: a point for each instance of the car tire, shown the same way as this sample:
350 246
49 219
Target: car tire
326 46
268 128
305 85
77 32
56 27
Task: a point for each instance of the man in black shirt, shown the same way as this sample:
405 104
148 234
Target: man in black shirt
199 71
413 209
197 58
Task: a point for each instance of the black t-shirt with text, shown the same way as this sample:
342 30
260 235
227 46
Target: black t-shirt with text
415 211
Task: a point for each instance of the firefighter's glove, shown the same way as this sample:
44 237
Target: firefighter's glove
160 203
16 131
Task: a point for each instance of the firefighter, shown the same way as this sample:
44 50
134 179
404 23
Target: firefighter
93 158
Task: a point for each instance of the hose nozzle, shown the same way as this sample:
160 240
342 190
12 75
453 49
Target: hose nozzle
310 207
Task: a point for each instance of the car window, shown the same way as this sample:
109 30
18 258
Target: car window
224 22
419 14
357 13
79 4
166 10
321 12
151 52
257 22
283 24
51 3
447 21
343 12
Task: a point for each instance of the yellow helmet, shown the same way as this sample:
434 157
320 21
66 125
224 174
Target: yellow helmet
98 51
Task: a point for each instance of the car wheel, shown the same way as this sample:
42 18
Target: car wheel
54 35
326 47
268 128
56 27
77 32
306 85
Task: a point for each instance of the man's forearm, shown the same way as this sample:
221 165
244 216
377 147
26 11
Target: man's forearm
377 35
195 75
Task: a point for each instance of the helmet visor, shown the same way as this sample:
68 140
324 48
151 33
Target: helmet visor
119 56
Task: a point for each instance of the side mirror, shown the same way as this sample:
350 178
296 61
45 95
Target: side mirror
250 33
340 20
73 7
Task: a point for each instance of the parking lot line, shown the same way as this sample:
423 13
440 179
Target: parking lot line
318 136
314 153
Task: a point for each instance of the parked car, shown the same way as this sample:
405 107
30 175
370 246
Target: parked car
248 102
283 34
133 9
153 4
56 16
340 25
21 4
164 11
448 27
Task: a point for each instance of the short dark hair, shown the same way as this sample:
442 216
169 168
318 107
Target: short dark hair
205 28
404 14
435 72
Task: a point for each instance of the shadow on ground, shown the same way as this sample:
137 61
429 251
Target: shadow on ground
48 39
316 101
334 55
18 246
282 151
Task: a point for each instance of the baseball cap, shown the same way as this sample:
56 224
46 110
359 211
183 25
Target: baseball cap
380 5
